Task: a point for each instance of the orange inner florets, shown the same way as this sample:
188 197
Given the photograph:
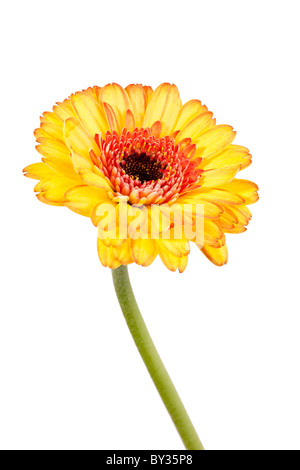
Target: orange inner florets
147 169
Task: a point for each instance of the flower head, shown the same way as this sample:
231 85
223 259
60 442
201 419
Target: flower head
139 163
145 168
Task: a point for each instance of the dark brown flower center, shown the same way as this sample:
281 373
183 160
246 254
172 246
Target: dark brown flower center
142 167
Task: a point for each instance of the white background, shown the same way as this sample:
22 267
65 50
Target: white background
71 377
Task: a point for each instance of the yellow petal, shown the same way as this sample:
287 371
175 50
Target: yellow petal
130 122
93 91
164 105
90 113
81 163
51 118
226 224
61 167
235 218
78 139
49 169
159 219
171 261
195 128
243 188
106 255
148 92
237 228
182 263
54 150
219 196
230 215
38 171
42 198
215 178
48 130
242 213
188 112
122 252
230 156
105 217
213 234
210 209
214 140
138 101
95 178
56 188
176 247
114 95
143 251
64 110
218 256
111 117
83 199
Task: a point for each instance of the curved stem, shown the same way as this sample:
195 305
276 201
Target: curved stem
153 361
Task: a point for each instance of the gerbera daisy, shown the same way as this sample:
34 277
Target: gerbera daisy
140 164
137 149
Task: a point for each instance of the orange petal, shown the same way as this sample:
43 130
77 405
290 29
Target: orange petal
112 118
156 129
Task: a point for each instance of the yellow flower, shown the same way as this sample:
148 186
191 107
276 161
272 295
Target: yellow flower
137 150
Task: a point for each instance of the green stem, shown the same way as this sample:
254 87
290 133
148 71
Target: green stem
152 360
